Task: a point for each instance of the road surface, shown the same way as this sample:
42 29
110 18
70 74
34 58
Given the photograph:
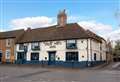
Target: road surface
18 73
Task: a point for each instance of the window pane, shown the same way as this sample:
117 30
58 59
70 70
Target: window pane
95 56
21 46
34 56
71 56
7 54
71 44
70 41
35 46
8 42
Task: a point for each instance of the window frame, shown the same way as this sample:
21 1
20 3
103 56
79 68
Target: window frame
6 54
8 42
34 53
33 46
72 57
67 47
21 48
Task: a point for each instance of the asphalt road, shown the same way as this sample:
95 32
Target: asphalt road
16 73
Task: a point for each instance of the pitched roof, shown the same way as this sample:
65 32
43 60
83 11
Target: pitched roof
93 35
69 31
11 34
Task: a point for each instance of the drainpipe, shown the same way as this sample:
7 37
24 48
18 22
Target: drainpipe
91 50
87 54
100 51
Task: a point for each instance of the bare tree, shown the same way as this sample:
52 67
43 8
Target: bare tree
116 51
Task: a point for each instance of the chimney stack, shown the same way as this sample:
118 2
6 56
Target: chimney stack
62 18
28 29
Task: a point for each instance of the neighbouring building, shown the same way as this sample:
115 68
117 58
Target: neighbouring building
64 44
7 45
109 51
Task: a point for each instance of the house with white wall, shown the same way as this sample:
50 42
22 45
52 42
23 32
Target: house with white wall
64 44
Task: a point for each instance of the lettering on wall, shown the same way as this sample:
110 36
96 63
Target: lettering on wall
52 44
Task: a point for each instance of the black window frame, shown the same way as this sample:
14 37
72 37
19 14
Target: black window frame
68 45
72 56
33 54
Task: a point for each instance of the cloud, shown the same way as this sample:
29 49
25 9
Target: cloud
114 35
103 30
38 21
33 22
96 26
99 28
74 18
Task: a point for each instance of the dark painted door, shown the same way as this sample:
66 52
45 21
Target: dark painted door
94 56
21 57
0 57
52 56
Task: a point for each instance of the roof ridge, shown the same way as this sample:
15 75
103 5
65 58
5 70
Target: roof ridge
53 26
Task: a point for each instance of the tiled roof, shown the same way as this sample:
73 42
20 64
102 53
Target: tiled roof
11 34
93 35
69 31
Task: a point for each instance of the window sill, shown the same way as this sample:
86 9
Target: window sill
71 48
35 49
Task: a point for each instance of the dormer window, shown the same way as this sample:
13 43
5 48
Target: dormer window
35 46
71 44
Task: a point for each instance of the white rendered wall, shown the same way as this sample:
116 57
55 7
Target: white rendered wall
83 48
95 49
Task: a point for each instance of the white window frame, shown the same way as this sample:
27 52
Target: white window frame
35 44
20 47
7 54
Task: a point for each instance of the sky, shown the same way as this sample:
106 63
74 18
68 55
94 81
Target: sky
100 16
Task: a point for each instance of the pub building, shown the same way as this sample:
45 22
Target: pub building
64 44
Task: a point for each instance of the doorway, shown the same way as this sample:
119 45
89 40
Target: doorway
0 56
21 57
52 57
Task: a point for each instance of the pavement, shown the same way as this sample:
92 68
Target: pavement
116 66
35 73
111 66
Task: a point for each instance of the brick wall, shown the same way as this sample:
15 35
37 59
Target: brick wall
3 48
